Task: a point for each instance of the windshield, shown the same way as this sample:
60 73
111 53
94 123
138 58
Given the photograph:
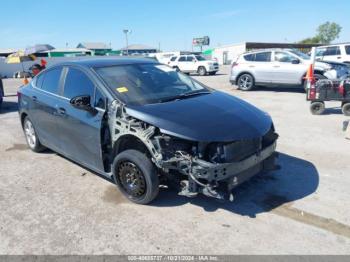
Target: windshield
200 58
141 84
300 54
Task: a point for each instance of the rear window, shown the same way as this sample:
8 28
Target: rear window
332 50
347 49
259 57
263 57
182 59
51 80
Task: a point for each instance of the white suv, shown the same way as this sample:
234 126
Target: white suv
279 67
337 53
194 64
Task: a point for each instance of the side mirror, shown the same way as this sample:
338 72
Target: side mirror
295 61
82 102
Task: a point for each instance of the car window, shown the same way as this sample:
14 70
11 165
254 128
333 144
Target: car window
190 58
182 59
51 80
347 49
263 57
39 80
332 50
320 51
173 58
284 57
99 99
250 57
77 83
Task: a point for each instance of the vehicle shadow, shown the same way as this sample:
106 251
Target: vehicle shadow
296 179
333 111
278 89
8 106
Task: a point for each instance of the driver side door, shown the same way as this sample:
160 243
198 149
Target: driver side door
80 130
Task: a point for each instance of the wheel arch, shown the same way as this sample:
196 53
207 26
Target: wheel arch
129 141
23 116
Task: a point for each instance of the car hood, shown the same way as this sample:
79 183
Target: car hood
214 117
322 65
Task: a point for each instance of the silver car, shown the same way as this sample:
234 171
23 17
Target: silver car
279 67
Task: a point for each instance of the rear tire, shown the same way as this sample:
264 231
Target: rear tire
177 69
245 82
202 71
317 108
136 176
31 136
346 109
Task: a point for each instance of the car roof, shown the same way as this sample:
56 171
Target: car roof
104 62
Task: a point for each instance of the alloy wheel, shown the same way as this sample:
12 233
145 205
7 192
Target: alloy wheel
30 133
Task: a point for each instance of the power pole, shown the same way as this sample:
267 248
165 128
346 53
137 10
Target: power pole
126 32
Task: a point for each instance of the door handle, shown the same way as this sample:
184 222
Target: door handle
339 57
276 66
251 66
34 98
61 111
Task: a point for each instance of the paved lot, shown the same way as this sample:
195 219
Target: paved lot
50 205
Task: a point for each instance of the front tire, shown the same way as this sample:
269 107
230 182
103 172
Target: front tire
245 82
202 71
346 109
136 176
31 136
317 108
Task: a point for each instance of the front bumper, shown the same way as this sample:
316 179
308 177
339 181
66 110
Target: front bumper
236 172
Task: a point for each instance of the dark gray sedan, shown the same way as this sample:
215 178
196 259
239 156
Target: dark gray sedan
141 123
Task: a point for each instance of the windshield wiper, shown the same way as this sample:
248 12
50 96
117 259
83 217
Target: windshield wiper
184 95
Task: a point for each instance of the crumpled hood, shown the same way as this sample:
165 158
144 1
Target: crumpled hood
215 117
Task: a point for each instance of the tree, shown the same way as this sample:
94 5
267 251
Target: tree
328 32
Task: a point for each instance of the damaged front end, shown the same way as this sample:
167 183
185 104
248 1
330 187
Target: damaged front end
214 169
210 168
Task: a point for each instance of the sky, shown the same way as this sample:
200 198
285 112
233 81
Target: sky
169 23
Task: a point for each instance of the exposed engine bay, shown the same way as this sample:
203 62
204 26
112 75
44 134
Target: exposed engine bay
210 168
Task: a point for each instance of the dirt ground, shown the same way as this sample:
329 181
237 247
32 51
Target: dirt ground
50 205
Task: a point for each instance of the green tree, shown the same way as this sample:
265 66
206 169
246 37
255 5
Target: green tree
328 32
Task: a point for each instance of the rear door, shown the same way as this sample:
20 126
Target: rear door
286 70
80 130
182 63
261 67
44 99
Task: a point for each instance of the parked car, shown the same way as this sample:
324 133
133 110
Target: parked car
194 64
336 53
139 122
279 67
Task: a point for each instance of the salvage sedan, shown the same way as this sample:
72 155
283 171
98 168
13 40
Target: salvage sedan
141 123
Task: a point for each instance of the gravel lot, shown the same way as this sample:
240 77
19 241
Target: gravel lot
49 205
